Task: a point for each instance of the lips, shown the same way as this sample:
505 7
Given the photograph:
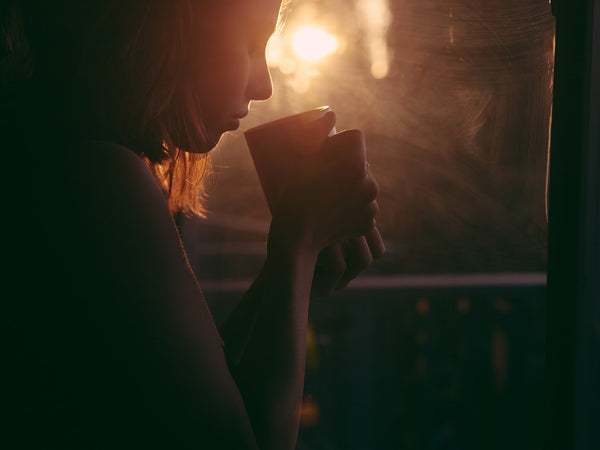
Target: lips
234 123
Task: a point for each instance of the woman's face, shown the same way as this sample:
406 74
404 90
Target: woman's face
231 69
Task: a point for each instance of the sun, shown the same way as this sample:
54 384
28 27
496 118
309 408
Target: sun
312 44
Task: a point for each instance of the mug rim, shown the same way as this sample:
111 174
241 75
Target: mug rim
276 122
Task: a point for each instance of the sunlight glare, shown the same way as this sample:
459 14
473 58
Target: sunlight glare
377 17
312 44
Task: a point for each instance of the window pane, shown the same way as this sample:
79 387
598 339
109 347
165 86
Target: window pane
454 98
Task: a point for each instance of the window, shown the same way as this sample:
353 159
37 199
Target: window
440 344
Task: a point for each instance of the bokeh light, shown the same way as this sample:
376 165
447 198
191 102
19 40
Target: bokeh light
313 44
377 17
301 53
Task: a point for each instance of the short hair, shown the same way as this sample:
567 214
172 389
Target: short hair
114 70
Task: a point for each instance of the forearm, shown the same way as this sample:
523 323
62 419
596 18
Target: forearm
265 343
330 197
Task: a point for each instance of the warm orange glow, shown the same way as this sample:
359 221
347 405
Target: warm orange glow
299 54
310 412
377 17
313 44
423 306
463 305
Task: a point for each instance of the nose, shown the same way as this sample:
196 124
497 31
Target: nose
260 86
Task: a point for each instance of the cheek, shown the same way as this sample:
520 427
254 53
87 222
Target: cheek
222 82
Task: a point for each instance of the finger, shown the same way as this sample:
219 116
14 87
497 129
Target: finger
330 267
362 208
375 243
370 189
362 193
364 221
358 258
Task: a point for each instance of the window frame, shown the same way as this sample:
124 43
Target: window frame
572 363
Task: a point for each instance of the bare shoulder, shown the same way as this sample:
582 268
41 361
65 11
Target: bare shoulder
110 220
118 199
108 163
108 213
109 182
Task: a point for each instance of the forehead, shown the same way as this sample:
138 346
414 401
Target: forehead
269 8
227 21
249 9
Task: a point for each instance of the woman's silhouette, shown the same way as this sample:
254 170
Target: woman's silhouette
108 111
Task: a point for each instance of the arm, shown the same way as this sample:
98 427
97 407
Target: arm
265 344
265 336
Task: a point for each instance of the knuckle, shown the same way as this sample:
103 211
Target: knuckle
368 187
372 209
375 188
372 188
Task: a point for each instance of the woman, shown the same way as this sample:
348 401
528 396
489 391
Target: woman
113 107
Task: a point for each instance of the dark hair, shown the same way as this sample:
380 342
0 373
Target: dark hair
112 70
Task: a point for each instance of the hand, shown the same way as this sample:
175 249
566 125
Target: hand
338 264
329 198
